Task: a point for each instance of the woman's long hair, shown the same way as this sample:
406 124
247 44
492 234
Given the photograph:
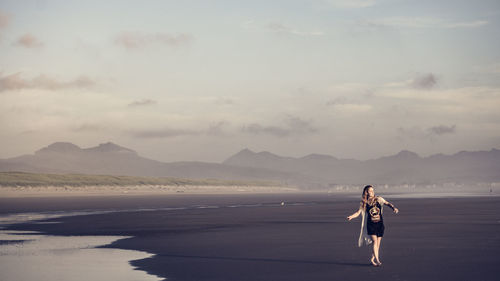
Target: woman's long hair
364 196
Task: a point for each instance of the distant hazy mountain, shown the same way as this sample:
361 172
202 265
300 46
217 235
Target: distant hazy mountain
404 167
311 171
112 159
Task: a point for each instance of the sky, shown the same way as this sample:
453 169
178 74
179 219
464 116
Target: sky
201 80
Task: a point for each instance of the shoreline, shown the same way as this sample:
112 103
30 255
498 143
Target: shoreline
144 190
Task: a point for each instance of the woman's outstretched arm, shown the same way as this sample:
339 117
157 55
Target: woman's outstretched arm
355 215
391 206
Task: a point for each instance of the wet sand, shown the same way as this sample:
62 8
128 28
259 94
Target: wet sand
254 237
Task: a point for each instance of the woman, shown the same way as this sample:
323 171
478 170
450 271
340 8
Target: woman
372 223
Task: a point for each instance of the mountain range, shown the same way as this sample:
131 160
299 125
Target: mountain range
311 171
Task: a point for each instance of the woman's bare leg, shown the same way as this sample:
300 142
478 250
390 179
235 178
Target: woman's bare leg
379 241
374 259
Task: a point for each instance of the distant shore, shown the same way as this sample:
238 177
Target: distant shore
97 190
19 184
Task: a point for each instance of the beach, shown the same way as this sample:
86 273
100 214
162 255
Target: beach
144 189
277 236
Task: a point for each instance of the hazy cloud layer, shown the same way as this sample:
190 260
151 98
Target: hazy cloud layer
351 4
88 128
337 101
163 133
17 82
426 22
143 102
490 68
29 41
294 126
4 20
442 130
137 40
189 85
217 129
224 101
281 28
417 132
425 82
344 105
214 129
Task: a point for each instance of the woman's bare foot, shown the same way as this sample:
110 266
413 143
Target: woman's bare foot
379 263
373 262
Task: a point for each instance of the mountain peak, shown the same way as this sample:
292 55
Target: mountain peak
246 151
63 147
110 147
267 154
246 155
316 156
407 154
243 154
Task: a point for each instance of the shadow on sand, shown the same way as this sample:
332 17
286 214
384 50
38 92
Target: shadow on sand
266 260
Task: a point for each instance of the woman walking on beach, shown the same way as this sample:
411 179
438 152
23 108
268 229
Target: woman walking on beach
372 223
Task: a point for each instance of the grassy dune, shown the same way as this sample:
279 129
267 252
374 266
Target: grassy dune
30 179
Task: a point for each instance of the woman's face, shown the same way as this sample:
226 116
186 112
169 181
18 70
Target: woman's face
370 192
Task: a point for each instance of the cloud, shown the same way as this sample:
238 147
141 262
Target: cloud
491 68
337 101
216 129
17 82
351 4
257 129
88 128
442 130
424 82
136 40
163 133
4 20
412 133
279 28
294 126
477 103
283 29
224 101
417 132
425 22
142 102
470 24
342 104
28 41
298 125
351 108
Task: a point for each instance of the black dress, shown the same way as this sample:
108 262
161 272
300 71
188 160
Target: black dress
375 222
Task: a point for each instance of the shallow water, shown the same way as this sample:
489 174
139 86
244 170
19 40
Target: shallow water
66 258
